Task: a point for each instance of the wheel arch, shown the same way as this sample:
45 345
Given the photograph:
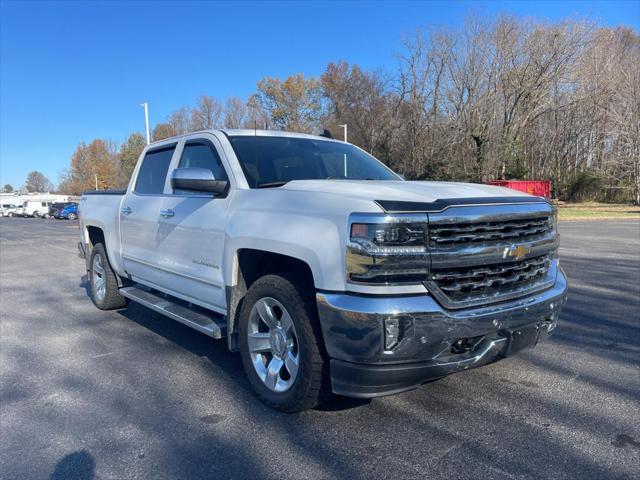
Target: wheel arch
250 264
94 233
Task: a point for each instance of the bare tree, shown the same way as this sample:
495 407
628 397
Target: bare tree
180 121
37 182
206 115
235 113
363 101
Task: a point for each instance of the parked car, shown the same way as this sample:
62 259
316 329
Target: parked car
8 210
69 211
54 207
34 208
326 270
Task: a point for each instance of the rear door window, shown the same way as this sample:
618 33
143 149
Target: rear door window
153 171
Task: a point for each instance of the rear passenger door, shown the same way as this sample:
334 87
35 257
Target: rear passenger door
140 215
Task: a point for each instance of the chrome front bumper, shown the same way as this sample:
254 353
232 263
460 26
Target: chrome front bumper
352 327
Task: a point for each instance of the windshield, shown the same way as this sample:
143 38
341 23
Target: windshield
274 161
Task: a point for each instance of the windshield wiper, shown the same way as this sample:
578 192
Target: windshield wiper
271 184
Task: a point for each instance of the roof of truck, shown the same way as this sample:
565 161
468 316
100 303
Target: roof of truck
250 132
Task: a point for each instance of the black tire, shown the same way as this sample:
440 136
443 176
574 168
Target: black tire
312 385
111 298
72 216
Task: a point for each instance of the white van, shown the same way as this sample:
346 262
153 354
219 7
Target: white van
32 208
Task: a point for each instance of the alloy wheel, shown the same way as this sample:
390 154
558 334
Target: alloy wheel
98 278
273 344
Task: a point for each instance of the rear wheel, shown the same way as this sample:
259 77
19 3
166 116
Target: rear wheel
103 281
281 344
72 216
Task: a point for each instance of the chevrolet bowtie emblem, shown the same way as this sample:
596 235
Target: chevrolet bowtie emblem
516 251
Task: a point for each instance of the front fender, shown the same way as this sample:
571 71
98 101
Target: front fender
315 241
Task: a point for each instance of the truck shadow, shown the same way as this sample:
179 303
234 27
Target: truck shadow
215 351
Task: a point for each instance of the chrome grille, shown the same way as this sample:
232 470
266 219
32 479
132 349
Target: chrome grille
487 281
455 234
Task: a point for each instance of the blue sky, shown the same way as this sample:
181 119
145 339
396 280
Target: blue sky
75 71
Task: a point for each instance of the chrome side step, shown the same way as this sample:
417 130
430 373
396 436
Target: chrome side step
209 323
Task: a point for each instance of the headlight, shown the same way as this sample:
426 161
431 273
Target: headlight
387 250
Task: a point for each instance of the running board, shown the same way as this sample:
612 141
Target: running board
209 323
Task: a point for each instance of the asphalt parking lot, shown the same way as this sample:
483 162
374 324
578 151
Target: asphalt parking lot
131 394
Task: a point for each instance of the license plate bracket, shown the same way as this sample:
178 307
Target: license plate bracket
521 338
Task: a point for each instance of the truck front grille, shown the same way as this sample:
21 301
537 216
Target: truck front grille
488 281
454 234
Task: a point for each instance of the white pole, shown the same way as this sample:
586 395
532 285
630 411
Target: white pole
344 125
95 176
146 120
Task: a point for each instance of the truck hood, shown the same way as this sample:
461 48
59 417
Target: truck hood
405 191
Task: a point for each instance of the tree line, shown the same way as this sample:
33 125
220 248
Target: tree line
36 182
505 99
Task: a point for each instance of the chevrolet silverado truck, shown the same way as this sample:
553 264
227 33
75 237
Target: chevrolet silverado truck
327 271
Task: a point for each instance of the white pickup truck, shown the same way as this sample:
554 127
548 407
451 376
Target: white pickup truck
327 271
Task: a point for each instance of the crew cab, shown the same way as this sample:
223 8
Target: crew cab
327 271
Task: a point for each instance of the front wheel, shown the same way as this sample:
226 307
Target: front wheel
281 344
103 281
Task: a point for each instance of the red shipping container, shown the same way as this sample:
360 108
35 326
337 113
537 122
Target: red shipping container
541 188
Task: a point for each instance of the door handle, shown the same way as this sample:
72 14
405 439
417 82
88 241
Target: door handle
126 210
168 213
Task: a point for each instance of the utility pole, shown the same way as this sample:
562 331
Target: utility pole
344 126
146 120
95 176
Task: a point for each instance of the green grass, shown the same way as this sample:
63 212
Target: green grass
597 211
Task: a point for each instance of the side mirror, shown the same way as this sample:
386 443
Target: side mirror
197 179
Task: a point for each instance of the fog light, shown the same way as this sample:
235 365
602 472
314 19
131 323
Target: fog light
391 333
